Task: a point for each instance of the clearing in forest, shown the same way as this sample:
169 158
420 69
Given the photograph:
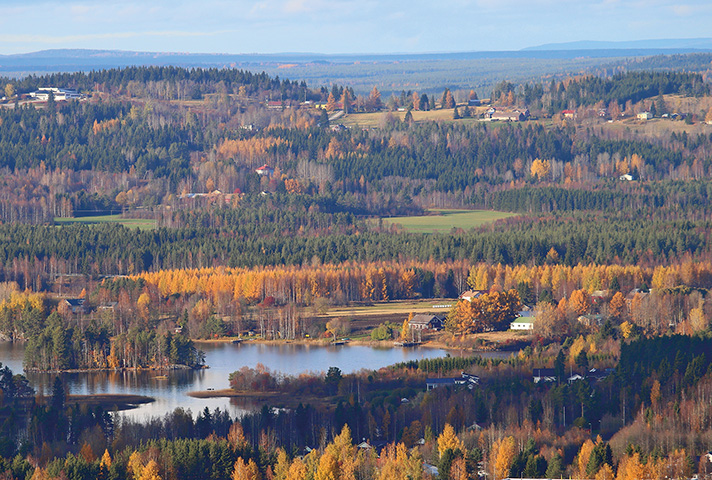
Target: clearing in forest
141 223
443 221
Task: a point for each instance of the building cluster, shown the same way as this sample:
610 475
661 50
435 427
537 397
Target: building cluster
43 94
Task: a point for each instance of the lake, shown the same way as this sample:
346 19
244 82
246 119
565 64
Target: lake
223 359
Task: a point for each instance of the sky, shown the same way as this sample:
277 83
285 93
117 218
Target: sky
339 26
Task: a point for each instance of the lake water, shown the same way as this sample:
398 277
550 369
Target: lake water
223 359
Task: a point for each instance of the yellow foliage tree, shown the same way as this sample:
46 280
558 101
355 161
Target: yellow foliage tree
328 468
245 471
135 465
150 471
460 318
503 452
579 302
605 473
630 468
583 458
297 470
540 169
281 468
448 440
106 459
405 329
398 464
617 306
626 329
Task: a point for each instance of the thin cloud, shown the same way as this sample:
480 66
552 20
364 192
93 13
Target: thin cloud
59 39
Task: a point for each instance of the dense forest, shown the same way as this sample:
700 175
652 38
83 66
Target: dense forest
262 213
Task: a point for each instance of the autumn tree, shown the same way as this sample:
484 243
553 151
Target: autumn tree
461 318
579 302
374 99
617 306
496 310
605 473
398 464
416 101
583 458
245 471
503 453
331 103
150 471
405 329
449 440
540 169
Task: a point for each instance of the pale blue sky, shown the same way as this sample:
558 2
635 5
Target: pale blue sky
339 26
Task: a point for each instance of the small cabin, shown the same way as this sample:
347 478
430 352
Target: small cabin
77 305
426 322
265 171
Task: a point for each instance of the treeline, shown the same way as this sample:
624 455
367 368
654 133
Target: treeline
31 254
355 282
178 82
663 200
63 345
619 89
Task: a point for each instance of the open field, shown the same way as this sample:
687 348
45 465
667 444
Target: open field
446 220
403 307
141 223
379 119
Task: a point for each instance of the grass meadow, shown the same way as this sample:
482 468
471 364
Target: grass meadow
140 223
443 221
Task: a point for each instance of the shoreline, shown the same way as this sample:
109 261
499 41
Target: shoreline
109 401
115 370
434 344
276 398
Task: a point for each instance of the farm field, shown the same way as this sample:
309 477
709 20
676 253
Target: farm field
395 308
445 220
378 119
141 223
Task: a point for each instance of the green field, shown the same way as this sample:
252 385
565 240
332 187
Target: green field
141 223
443 221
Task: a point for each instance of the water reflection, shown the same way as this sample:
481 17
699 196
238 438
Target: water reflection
171 391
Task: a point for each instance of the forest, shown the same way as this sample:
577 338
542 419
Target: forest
263 215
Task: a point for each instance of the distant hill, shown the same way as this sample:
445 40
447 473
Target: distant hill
68 60
392 73
670 45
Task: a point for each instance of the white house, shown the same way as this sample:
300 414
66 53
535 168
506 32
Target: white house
525 321
43 94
